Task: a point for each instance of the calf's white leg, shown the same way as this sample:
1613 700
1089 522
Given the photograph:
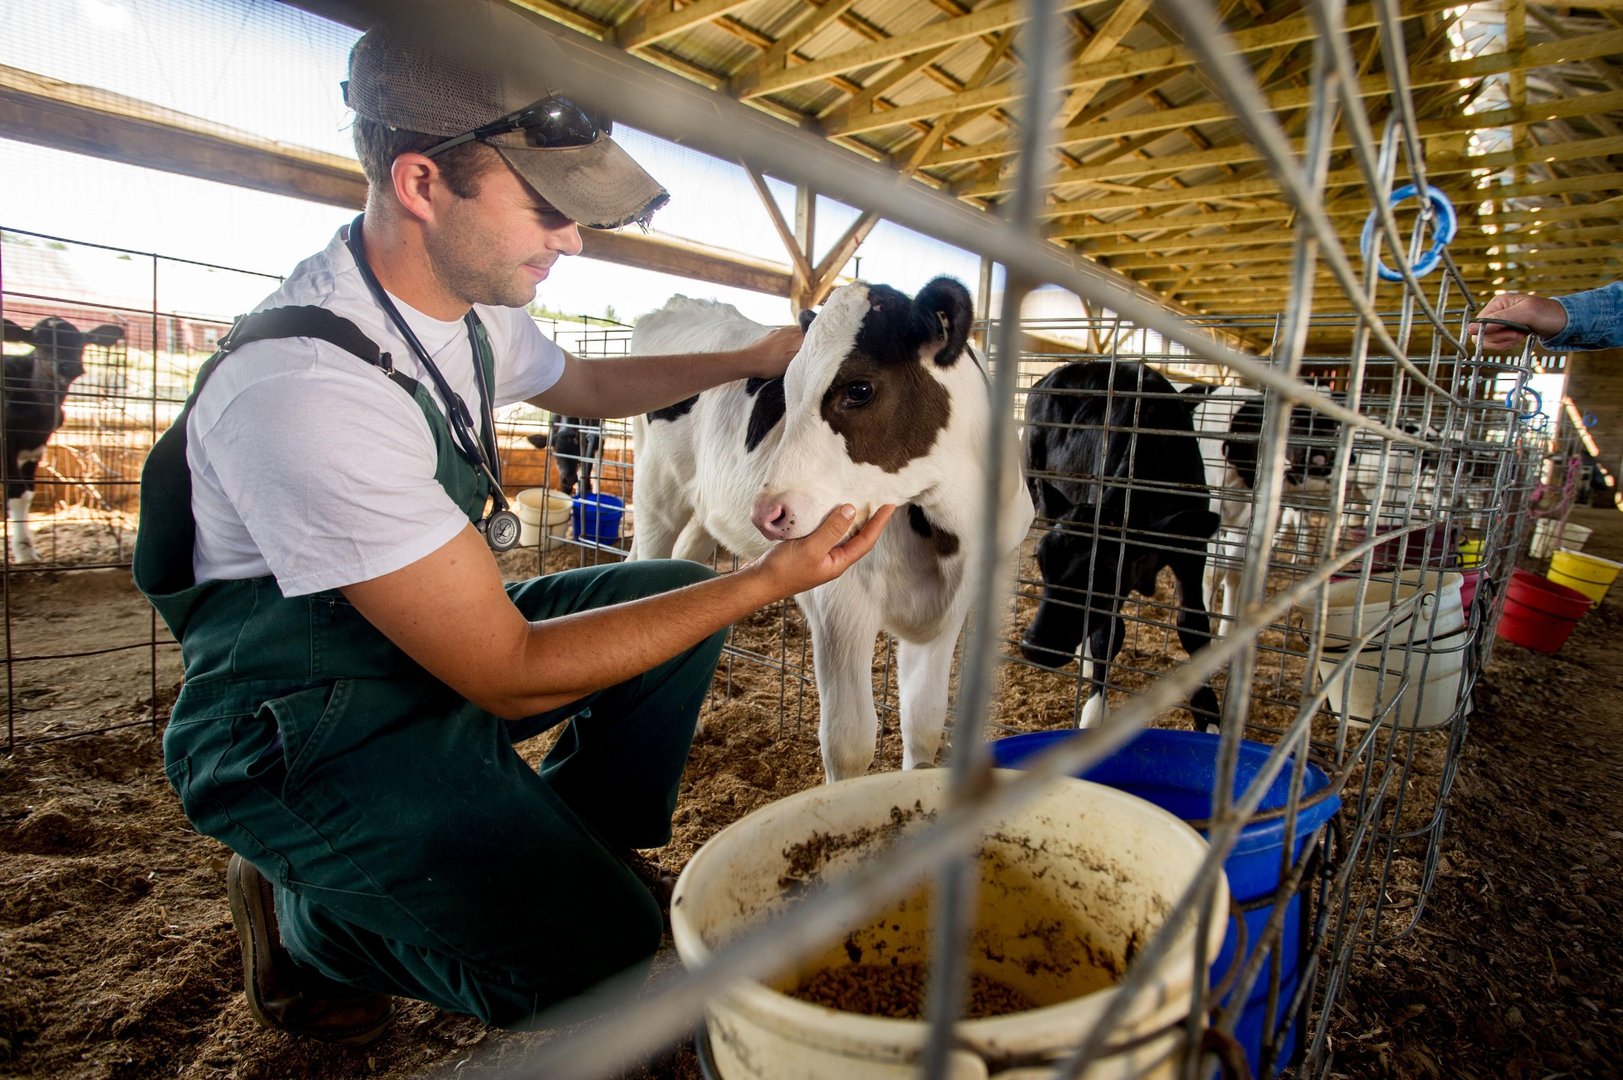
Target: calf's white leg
22 541
922 673
842 653
1093 712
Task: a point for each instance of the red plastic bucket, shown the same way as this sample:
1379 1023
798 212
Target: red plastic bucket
1540 614
1468 589
1432 547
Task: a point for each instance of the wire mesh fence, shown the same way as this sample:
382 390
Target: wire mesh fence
1351 500
1293 561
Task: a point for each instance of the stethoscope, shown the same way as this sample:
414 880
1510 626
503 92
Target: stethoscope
500 526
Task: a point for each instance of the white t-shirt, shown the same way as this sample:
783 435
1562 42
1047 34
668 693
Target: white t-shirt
311 465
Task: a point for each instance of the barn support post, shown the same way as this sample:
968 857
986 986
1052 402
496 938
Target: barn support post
983 304
827 272
806 238
797 254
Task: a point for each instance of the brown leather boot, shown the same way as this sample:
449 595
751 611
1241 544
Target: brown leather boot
655 878
283 995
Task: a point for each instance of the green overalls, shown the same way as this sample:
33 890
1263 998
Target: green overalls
413 850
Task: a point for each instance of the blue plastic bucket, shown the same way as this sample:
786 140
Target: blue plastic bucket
1176 770
597 518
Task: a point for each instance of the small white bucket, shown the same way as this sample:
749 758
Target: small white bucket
1070 886
1573 537
1427 639
541 513
1419 593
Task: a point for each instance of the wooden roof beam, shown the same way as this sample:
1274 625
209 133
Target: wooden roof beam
1285 240
1245 152
1128 65
640 31
1226 263
88 120
811 21
945 32
1439 166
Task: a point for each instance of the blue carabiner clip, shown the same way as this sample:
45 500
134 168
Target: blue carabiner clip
1444 227
1538 407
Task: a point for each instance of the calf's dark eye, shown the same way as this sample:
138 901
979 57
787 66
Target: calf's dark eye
857 393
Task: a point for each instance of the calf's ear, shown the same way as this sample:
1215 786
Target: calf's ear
945 308
17 333
105 335
806 317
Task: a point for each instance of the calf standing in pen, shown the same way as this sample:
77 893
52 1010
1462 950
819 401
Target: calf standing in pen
575 442
1115 471
885 404
35 385
1228 420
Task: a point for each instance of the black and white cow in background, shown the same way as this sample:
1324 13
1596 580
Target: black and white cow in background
1413 486
36 384
1115 472
576 442
1228 421
884 403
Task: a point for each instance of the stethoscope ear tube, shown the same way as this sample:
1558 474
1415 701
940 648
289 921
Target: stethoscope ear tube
500 526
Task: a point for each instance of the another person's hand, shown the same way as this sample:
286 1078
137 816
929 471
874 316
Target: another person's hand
822 554
1547 318
773 351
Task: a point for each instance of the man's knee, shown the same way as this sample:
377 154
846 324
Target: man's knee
663 575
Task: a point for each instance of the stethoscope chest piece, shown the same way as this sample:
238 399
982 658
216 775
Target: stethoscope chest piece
501 529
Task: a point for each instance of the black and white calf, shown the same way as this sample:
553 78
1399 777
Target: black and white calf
1115 472
1411 482
885 403
1228 420
575 442
36 384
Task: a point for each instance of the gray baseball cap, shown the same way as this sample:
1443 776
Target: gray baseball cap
401 79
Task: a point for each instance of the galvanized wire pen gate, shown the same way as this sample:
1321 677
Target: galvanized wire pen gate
1426 465
1337 652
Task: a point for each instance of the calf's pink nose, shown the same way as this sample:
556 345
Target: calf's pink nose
771 518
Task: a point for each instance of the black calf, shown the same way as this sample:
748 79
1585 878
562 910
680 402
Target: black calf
1115 470
576 443
36 384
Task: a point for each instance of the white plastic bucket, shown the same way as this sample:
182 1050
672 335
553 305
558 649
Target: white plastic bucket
1573 537
1076 879
541 513
1427 643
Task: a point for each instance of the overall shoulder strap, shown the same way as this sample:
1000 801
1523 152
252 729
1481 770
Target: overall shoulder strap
314 322
167 534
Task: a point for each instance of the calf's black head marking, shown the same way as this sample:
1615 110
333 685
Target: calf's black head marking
883 401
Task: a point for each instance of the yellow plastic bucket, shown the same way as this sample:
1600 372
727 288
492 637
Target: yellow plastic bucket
1470 554
1589 574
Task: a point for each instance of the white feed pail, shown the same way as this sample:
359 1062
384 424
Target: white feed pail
541 512
1572 537
1415 666
1071 885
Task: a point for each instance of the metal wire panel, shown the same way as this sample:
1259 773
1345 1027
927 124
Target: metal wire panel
1408 438
1408 441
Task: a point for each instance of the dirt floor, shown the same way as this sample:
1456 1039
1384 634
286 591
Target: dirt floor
117 957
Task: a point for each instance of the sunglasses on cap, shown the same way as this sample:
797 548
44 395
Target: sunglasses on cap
551 123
